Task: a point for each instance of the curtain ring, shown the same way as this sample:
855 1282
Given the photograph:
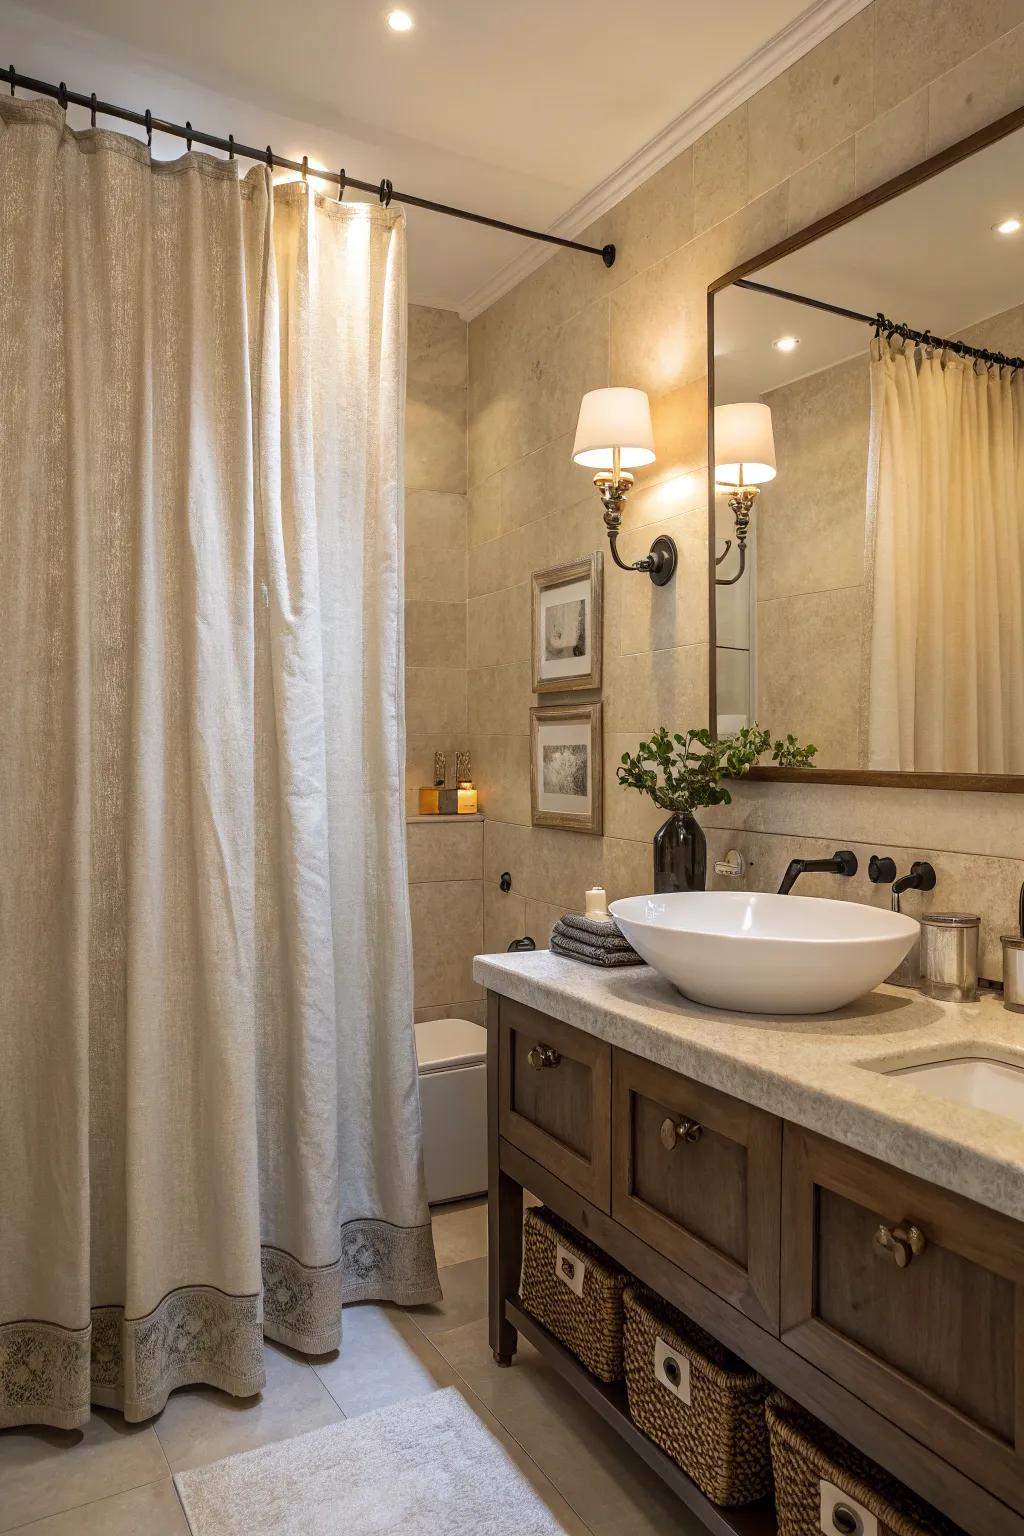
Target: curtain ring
341 184
188 136
386 191
62 96
270 158
10 76
305 167
92 110
231 146
149 128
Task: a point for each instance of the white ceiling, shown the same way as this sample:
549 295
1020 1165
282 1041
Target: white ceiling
929 258
515 108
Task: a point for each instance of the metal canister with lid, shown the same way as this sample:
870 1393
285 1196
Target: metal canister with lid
1013 963
949 955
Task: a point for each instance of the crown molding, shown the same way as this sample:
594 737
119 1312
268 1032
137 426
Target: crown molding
771 60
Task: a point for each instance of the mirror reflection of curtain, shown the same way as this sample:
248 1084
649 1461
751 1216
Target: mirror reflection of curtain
945 559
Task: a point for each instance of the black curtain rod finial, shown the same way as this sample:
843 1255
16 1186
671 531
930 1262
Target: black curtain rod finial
608 254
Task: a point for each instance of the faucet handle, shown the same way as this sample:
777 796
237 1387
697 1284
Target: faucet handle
925 875
881 870
846 861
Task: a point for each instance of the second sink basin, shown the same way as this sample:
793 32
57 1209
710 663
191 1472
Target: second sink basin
975 1080
760 953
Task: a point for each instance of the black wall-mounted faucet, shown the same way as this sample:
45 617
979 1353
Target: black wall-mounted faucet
842 862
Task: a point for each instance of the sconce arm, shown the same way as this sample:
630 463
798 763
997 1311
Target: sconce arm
730 581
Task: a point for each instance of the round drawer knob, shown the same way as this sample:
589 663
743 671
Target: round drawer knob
901 1243
674 1131
541 1056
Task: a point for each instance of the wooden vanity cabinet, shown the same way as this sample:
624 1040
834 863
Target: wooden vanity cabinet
696 1174
910 1296
891 1309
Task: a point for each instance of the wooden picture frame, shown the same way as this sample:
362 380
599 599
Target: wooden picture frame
567 626
566 767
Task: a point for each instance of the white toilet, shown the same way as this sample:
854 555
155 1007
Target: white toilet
453 1099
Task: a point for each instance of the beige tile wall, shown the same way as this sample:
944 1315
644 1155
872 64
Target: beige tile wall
445 857
900 80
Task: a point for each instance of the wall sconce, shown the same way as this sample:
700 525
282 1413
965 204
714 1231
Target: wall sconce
744 461
613 436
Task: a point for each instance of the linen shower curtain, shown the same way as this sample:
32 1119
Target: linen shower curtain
945 562
209 1122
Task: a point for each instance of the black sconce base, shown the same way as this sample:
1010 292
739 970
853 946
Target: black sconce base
665 558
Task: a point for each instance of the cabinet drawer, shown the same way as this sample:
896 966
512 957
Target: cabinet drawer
696 1175
555 1098
935 1341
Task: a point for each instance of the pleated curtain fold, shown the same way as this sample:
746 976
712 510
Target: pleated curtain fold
945 563
209 1122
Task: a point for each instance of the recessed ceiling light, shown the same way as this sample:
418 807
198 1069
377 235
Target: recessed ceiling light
786 343
399 21
1008 226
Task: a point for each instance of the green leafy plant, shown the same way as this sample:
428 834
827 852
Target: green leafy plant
680 773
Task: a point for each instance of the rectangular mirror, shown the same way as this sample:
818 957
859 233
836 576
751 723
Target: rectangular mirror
868 497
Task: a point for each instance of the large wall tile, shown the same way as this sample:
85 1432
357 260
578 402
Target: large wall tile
435 518
892 142
504 918
438 347
502 769
500 699
976 91
824 185
720 170
809 672
435 454
447 931
435 634
437 573
440 849
653 688
435 703
499 627
820 100
917 40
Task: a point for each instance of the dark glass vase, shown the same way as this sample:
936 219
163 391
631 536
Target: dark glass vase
680 856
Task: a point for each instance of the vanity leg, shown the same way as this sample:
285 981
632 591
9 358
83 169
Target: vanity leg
504 1212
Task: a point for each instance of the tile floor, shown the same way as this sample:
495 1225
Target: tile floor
113 1479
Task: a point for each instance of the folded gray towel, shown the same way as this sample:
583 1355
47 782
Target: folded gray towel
613 942
594 954
594 927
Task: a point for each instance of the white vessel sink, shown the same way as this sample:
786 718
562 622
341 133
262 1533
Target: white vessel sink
975 1080
766 954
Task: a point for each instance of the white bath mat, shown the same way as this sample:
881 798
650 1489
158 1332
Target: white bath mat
427 1467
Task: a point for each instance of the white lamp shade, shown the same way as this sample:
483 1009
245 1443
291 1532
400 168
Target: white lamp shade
614 418
744 445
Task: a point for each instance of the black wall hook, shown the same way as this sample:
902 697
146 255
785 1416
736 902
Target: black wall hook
386 192
149 128
92 110
341 184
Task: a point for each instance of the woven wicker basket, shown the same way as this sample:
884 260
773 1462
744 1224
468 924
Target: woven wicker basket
698 1402
805 1453
575 1290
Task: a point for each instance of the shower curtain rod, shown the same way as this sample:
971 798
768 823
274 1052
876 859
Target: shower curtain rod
885 327
383 189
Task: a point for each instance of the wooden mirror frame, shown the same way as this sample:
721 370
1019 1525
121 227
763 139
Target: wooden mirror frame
962 150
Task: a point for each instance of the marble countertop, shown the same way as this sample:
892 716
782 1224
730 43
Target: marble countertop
820 1071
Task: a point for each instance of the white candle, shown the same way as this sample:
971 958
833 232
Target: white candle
597 902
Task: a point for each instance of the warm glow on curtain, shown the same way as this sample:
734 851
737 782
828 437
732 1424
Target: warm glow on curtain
945 553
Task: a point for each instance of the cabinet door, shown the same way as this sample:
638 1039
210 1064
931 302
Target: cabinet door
556 1098
696 1175
913 1298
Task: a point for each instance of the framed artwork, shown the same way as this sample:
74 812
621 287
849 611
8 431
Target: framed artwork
566 764
567 626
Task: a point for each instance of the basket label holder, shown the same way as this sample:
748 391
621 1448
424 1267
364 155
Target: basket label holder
843 1516
672 1370
569 1269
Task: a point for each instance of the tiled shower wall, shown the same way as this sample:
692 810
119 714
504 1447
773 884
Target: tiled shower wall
445 857
897 82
